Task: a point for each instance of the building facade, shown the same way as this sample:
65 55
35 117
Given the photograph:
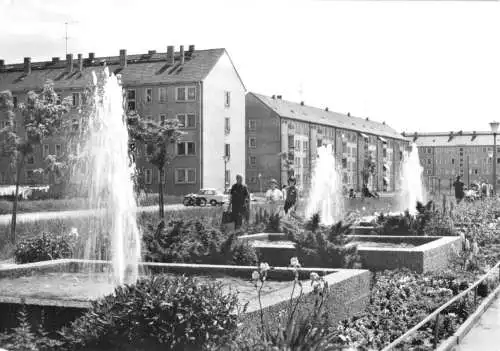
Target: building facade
283 138
200 88
444 156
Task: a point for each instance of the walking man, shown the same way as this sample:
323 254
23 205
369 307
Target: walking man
239 202
459 189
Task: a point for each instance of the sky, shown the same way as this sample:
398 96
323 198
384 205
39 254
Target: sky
417 65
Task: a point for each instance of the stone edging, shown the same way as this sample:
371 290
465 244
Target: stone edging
453 341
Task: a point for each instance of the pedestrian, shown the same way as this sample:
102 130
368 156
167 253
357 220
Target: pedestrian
274 197
239 202
291 195
459 189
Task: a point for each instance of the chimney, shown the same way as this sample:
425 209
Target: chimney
348 114
273 97
80 62
123 58
170 55
55 59
2 64
278 97
367 119
191 48
383 123
69 63
326 109
27 65
91 56
302 103
182 54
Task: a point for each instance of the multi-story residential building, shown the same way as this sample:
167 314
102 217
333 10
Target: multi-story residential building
201 88
283 137
443 156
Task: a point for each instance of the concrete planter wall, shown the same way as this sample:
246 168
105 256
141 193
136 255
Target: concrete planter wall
349 291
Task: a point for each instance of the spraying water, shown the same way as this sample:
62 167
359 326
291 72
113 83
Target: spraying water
114 234
412 189
326 195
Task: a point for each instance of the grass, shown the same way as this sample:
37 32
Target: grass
29 206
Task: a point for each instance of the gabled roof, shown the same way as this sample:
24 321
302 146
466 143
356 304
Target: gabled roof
316 115
141 69
452 140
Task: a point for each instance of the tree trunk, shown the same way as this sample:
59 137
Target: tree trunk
160 193
14 204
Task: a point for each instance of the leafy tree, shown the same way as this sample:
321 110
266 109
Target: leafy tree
160 140
42 117
368 169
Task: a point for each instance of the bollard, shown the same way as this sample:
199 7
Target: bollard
436 331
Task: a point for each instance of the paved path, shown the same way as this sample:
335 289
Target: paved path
34 216
485 335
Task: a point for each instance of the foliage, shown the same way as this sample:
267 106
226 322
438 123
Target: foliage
407 224
164 313
159 139
192 241
23 338
43 248
326 247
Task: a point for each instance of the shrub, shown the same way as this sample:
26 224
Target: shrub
23 338
326 247
43 248
158 313
191 241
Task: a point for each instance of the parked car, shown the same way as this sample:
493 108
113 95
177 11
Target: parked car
206 196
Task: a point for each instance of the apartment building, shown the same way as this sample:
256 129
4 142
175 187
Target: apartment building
201 88
283 137
446 155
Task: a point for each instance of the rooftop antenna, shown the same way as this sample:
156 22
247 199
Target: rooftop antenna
66 33
301 90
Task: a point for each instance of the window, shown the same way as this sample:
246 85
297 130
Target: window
131 99
252 143
58 150
227 150
14 101
186 94
227 125
305 145
227 98
163 118
3 124
319 143
344 163
186 148
429 161
149 95
162 94
76 99
163 179
31 159
149 149
75 126
291 141
452 161
252 125
45 150
185 175
253 161
297 145
148 176
187 120
29 176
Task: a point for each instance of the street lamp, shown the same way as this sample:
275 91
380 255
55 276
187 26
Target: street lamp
494 129
260 182
226 160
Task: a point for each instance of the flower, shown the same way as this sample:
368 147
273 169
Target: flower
264 267
314 277
294 262
255 275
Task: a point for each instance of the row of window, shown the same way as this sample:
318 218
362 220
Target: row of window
182 176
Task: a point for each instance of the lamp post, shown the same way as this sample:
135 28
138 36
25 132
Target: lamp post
494 129
260 182
226 160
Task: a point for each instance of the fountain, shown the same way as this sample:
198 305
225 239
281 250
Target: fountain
109 183
326 195
412 189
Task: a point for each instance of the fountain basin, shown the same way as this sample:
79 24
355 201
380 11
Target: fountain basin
50 295
417 253
273 248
